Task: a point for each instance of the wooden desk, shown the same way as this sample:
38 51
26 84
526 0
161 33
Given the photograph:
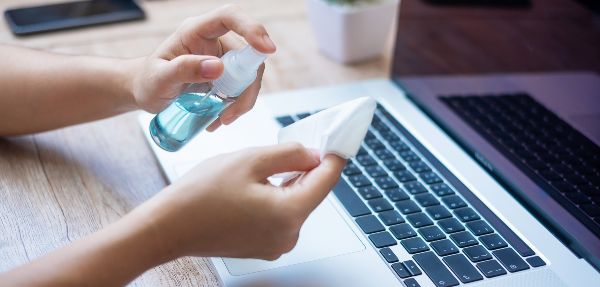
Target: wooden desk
58 186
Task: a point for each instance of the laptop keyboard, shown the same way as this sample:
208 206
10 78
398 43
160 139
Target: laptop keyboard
401 196
557 157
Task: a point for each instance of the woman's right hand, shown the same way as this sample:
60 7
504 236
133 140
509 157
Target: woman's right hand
225 207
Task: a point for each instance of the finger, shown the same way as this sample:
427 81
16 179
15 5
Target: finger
225 19
246 101
192 69
213 126
280 158
314 186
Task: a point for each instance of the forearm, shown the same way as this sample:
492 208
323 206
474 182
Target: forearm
43 91
111 257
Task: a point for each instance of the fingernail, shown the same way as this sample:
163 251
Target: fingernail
268 42
211 68
316 154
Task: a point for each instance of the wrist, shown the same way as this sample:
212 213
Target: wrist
148 228
126 77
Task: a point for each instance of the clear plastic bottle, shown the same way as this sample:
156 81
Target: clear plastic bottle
200 104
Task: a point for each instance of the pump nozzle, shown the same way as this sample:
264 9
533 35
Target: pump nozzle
240 70
248 58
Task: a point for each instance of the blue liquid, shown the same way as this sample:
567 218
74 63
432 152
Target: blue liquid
191 113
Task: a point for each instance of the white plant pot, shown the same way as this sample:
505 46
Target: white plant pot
351 33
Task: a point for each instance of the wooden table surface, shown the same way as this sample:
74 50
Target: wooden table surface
58 186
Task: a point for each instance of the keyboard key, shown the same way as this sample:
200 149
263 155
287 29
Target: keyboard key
430 178
438 212
441 189
418 220
365 160
369 224
391 217
451 225
389 255
477 253
414 187
426 199
404 176
414 245
431 233
409 156
493 241
380 126
285 120
350 200
412 268
444 247
402 231
463 269
359 180
466 214
453 202
386 182
535 261
382 239
411 282
374 144
362 151
380 204
407 206
394 165
384 154
435 269
463 239
375 171
399 146
491 268
351 169
303 115
479 227
396 194
510 259
400 270
419 166
369 192
390 136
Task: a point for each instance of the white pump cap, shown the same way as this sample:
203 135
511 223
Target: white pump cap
239 72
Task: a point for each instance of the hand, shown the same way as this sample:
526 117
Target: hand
225 206
191 55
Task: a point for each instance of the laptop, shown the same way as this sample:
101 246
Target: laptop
461 180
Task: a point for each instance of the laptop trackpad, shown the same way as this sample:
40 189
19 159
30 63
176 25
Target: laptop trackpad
324 234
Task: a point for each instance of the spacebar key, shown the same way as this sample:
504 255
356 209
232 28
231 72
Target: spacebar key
349 199
435 269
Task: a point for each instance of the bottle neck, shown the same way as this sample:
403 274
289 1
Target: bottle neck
221 96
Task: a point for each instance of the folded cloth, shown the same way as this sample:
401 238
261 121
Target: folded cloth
337 130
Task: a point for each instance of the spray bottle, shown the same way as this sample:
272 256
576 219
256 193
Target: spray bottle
200 104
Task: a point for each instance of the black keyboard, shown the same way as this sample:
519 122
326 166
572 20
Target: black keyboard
401 196
562 161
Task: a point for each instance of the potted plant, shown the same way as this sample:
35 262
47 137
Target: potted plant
350 31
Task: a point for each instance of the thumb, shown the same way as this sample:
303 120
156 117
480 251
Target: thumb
193 69
308 192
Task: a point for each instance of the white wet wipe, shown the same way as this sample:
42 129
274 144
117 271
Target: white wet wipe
337 130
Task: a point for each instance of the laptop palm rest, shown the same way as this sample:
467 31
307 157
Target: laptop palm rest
325 234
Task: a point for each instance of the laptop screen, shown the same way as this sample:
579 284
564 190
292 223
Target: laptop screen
522 99
439 38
